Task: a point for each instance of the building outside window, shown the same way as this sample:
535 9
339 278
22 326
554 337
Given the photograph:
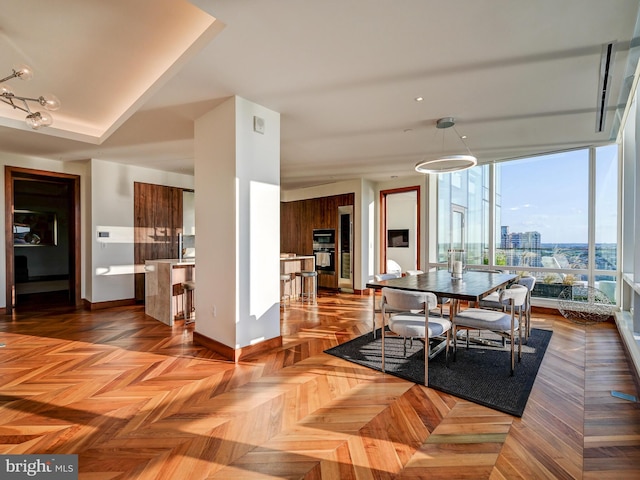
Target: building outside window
556 217
463 198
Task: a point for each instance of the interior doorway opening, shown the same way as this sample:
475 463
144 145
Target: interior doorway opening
42 238
458 232
400 230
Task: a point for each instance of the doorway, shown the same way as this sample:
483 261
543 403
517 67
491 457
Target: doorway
42 238
458 227
400 229
345 248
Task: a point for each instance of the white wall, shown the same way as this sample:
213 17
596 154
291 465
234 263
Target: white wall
111 265
365 234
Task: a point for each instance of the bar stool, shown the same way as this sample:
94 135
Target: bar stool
308 285
188 301
285 285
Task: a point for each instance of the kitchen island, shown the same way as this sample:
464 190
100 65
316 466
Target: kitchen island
163 287
292 264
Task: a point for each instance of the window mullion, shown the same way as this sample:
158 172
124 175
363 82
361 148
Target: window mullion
591 227
492 215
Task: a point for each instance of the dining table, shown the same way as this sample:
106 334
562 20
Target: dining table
471 287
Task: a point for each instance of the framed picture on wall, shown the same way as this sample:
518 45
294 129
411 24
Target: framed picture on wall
34 229
398 238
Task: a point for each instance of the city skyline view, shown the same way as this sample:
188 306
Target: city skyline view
550 195
527 248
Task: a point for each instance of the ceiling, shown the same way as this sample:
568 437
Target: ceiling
519 77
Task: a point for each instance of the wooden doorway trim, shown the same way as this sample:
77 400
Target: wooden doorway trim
383 223
73 182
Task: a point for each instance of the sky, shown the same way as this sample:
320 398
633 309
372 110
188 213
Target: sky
549 195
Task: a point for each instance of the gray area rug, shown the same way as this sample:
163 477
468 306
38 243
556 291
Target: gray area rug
479 374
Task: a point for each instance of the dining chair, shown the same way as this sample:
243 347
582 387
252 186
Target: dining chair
507 325
528 281
377 306
492 301
394 267
441 300
409 317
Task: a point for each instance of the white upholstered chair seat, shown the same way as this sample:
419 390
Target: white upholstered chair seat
484 319
412 325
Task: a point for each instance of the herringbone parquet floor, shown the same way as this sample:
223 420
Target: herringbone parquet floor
135 399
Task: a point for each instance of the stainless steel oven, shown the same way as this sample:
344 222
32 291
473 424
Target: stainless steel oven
324 249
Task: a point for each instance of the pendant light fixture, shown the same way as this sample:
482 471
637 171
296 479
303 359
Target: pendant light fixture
448 163
34 119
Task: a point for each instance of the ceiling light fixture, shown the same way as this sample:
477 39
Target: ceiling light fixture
448 163
34 119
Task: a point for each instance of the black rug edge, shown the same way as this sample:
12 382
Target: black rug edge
528 386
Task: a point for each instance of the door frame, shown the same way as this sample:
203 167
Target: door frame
462 211
344 284
383 224
73 182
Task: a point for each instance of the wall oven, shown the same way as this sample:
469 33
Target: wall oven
324 249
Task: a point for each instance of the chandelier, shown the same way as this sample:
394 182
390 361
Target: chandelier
34 119
448 163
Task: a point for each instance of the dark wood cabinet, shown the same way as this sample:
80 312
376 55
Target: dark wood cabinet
157 223
299 218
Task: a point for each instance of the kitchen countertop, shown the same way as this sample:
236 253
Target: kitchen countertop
174 261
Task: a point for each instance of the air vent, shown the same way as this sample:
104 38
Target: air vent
604 85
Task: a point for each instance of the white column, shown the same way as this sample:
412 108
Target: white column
237 203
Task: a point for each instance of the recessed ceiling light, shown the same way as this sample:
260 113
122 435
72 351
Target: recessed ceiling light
419 99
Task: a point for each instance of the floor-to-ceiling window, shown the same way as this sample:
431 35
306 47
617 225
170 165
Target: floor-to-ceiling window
606 252
543 221
555 217
463 210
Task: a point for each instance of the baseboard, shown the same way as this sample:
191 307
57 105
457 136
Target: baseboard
109 304
235 355
544 310
624 322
